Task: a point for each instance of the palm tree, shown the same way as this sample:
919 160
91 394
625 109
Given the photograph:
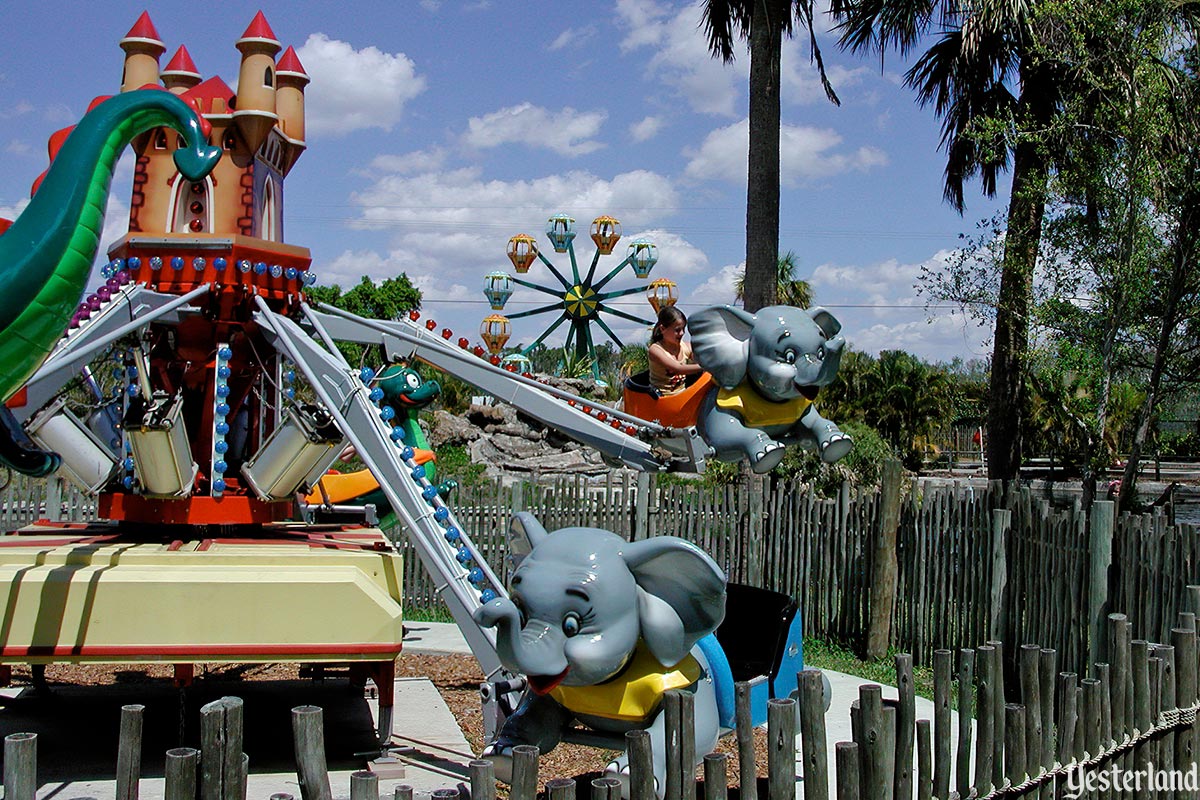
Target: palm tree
789 290
762 24
978 71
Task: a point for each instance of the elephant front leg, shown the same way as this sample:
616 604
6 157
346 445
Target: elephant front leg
832 443
538 721
733 441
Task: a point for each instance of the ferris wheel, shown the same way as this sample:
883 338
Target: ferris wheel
579 301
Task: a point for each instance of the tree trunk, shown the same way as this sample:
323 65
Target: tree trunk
1183 258
1006 391
762 178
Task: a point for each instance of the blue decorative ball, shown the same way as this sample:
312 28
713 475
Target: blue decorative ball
220 467
398 434
290 273
224 372
225 353
177 263
290 375
477 577
441 513
387 413
418 472
133 263
221 448
218 486
155 263
463 555
290 394
222 428
407 453
244 265
198 263
429 493
222 409
259 268
376 395
487 596
133 390
365 374
452 534
128 465
127 481
276 271
220 263
223 390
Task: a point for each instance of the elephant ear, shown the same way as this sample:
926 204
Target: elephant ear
721 342
681 594
524 534
825 321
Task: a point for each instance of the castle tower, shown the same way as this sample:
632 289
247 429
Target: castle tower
142 49
289 97
181 73
256 115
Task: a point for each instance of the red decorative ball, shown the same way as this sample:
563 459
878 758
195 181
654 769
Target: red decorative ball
447 333
430 324
463 343
414 315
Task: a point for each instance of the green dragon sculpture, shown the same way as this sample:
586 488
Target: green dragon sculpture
46 255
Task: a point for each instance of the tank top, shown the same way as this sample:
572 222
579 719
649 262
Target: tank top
665 381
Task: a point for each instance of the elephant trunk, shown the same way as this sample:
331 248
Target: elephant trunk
535 649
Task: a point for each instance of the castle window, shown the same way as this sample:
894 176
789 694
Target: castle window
269 78
160 139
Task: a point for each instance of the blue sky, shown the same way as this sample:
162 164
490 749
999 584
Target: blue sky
437 130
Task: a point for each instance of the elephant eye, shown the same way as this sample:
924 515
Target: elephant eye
820 354
413 380
570 624
789 357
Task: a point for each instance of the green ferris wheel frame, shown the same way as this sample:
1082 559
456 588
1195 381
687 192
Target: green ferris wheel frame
581 301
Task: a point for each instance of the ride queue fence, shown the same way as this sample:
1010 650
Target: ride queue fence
1126 727
910 565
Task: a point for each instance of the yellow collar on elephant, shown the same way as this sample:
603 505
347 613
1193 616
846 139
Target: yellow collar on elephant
635 693
758 411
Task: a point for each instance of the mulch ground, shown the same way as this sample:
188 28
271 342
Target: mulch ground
457 678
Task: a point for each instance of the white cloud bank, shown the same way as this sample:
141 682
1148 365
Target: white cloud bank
355 89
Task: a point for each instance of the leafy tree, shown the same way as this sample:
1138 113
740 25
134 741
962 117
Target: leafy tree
389 300
763 24
789 291
995 101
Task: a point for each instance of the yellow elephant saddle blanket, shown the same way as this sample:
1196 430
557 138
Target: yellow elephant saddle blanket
633 694
756 410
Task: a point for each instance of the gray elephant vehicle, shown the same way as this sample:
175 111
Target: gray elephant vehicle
762 375
602 628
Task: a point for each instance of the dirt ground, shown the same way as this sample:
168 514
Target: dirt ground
457 678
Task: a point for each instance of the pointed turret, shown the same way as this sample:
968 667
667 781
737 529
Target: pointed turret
256 114
181 73
289 98
142 49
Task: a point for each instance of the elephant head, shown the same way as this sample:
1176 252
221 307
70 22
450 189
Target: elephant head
785 351
582 598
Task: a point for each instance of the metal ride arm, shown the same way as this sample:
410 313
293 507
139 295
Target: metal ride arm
346 398
658 448
132 309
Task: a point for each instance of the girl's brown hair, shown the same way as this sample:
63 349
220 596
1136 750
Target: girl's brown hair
667 316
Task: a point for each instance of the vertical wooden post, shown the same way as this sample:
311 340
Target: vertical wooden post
1184 642
754 523
525 773
672 744
906 720
129 752
308 736
747 770
483 779
221 749
884 566
781 749
641 509
849 770
1048 670
403 792
1068 712
942 679
179 775
813 746
966 694
604 789
1100 544
364 785
1001 525
715 780
641 765
1031 698
1014 744
985 729
20 766
559 789
874 782
924 763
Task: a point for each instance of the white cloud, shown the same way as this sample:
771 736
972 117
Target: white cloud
418 161
17 147
355 89
676 255
646 129
14 211
572 37
680 56
804 154
567 132
717 290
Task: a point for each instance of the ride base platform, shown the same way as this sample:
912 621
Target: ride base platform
101 593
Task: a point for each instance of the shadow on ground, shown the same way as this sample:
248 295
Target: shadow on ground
78 726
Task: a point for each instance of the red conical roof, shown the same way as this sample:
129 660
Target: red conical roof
143 29
182 62
259 29
290 62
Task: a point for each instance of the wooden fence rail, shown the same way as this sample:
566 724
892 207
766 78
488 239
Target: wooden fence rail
969 562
